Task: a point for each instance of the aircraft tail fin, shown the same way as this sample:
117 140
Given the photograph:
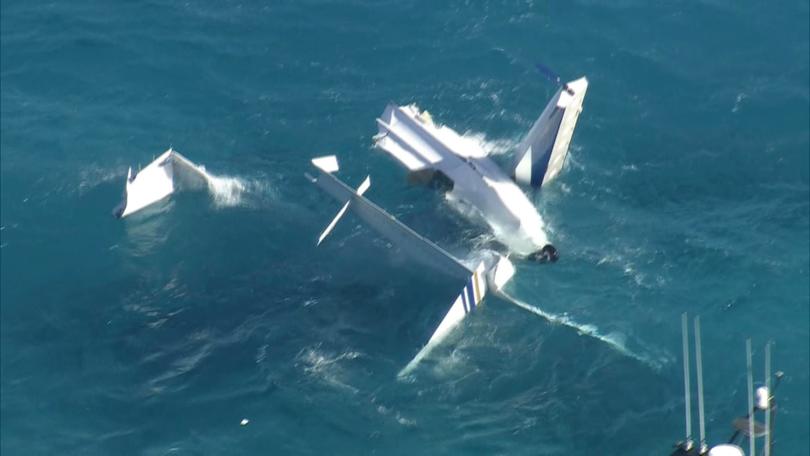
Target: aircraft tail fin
542 152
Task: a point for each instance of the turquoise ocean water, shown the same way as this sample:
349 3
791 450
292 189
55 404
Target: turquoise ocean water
687 189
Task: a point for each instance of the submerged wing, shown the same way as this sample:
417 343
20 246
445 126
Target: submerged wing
470 297
495 273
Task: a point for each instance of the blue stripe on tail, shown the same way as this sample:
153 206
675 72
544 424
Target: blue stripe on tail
468 290
545 142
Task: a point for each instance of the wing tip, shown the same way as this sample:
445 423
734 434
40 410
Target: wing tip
328 163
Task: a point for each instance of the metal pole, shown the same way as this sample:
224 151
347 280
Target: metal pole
699 365
768 408
749 368
687 394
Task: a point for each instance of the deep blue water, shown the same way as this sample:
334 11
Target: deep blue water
687 189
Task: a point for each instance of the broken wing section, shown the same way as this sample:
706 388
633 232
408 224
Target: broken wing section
542 152
159 179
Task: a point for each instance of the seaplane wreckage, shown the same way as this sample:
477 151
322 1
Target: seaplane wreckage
166 174
438 156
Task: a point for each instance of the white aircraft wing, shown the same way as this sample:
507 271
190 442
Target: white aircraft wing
470 297
494 271
158 180
411 242
493 275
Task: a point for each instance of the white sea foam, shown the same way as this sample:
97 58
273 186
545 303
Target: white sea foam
232 191
489 146
615 340
327 367
227 191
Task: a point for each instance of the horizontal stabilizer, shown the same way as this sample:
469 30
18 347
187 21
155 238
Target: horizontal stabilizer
542 152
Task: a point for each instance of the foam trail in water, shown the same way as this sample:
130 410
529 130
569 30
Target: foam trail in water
588 330
230 191
227 191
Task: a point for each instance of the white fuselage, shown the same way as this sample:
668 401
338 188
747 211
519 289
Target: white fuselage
414 140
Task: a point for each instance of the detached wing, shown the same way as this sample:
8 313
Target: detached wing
159 179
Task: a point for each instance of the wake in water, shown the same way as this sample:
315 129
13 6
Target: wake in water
234 191
327 367
479 141
226 191
612 340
